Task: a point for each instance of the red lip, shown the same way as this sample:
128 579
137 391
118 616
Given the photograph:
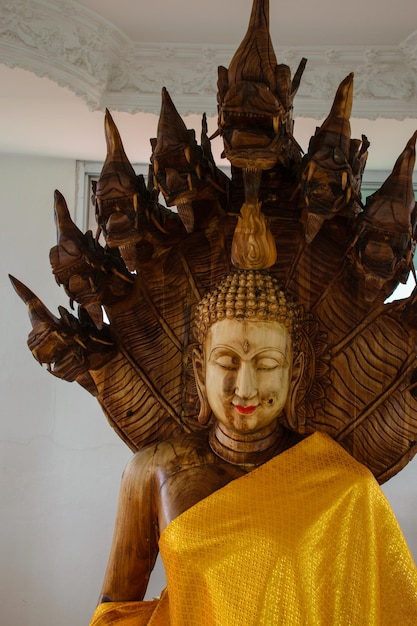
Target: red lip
245 410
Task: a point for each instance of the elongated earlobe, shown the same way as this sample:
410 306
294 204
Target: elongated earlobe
294 398
200 379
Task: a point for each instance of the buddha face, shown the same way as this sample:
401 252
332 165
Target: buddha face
246 373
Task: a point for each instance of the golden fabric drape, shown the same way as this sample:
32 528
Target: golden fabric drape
306 539
147 613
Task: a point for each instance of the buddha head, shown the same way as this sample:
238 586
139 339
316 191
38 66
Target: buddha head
248 364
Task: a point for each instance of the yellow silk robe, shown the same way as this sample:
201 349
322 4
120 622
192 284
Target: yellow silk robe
308 539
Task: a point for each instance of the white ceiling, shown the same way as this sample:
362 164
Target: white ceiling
335 22
37 116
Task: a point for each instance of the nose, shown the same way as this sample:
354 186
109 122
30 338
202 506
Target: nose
245 386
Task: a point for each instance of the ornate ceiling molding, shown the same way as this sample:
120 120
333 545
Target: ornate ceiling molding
76 48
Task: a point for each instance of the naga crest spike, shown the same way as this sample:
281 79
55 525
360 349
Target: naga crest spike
38 312
66 229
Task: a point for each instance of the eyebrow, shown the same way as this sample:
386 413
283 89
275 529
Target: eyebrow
264 352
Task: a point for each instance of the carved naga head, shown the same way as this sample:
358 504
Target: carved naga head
255 97
120 195
333 167
67 345
385 241
183 171
91 275
175 155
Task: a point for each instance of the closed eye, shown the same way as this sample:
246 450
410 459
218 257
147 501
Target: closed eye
227 362
268 364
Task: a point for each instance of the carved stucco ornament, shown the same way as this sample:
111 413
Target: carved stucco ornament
78 49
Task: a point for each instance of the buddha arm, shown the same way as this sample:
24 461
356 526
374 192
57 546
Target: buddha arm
135 540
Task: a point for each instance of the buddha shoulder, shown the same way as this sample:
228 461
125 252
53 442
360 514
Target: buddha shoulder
187 457
187 450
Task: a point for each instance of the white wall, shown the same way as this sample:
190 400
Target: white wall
60 462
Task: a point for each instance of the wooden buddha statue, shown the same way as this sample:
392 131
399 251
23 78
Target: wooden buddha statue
246 329
249 516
